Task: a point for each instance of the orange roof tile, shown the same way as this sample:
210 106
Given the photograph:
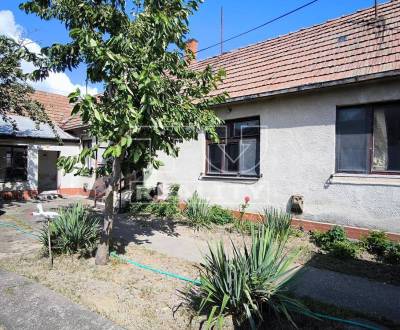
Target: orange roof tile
351 46
56 106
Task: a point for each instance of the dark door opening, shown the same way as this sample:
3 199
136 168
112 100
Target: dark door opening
47 173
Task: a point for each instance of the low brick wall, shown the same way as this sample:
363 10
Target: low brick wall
308 225
76 192
18 195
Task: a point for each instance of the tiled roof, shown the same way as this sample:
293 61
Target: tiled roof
58 109
351 46
56 106
72 123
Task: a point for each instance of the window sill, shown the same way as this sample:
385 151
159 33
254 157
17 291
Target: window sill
207 177
365 179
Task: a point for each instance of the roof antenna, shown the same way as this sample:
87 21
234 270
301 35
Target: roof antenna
376 10
222 30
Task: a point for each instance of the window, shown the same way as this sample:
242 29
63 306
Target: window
13 164
238 151
86 143
368 139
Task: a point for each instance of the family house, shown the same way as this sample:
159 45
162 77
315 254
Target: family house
28 156
312 116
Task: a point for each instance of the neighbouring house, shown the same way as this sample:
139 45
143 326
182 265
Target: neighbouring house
28 156
312 116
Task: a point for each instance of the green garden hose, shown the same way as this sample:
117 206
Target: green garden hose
197 282
27 233
158 271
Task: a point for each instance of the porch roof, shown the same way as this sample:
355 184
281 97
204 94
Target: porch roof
27 128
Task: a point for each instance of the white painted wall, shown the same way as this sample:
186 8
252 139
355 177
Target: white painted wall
297 157
64 180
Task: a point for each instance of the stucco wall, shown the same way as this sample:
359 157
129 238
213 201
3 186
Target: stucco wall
64 180
297 151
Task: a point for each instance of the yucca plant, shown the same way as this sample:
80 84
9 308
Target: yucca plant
250 285
278 221
198 211
75 230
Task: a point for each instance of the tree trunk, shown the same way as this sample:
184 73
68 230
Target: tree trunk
103 248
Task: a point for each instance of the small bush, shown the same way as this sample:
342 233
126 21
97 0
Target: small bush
198 211
376 243
163 209
324 240
344 249
220 216
76 230
392 254
139 208
248 285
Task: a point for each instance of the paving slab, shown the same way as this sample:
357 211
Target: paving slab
30 306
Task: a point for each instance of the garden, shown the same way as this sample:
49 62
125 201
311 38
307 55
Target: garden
241 276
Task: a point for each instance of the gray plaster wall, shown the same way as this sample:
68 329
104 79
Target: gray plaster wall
297 156
33 147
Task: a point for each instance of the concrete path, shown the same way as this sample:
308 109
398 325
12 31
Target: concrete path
28 305
351 292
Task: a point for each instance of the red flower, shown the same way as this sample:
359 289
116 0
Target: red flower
246 199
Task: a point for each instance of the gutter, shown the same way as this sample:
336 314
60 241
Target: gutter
15 137
312 87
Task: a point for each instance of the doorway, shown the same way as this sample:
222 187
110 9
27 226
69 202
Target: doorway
47 172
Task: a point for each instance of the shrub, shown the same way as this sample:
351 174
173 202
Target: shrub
220 216
376 243
163 209
168 208
344 249
139 207
392 255
248 285
324 240
75 230
198 211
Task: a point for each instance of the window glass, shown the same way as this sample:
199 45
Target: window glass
353 130
87 144
13 163
232 157
246 128
386 153
215 152
248 157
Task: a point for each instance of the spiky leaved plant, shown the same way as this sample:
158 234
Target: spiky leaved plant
198 211
249 285
75 230
278 221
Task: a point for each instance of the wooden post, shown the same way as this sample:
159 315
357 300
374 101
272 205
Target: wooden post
49 241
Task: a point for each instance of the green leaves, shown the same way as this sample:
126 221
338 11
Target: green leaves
14 89
150 91
247 281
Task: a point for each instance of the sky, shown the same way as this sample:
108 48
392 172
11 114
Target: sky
204 26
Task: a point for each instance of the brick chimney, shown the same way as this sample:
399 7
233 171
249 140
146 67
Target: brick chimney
191 45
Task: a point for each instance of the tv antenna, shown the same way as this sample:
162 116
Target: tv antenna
222 29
